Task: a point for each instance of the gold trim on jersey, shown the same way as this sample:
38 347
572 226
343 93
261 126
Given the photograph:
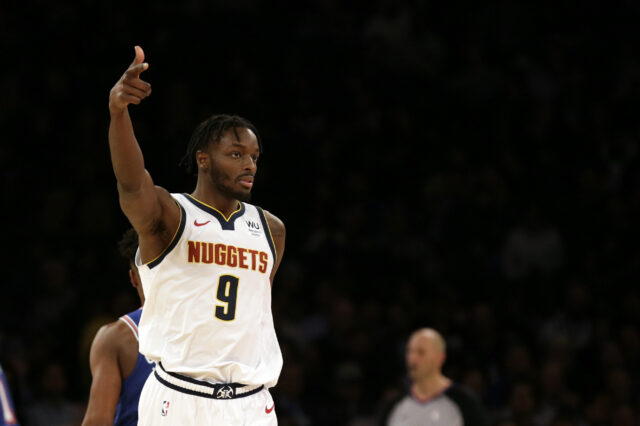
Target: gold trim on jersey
275 248
213 208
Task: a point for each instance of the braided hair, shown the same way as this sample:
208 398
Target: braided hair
212 130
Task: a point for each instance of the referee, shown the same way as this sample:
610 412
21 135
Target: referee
433 399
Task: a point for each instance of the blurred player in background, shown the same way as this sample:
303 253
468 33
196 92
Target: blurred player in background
118 369
7 410
207 262
433 399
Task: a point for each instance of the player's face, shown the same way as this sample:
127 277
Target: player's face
423 357
234 163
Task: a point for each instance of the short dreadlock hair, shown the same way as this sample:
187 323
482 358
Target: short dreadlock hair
128 245
212 130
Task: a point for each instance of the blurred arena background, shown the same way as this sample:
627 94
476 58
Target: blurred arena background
467 166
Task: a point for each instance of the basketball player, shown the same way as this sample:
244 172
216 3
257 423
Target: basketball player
207 260
433 399
118 369
7 410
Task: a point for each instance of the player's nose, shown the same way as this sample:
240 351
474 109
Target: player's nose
250 163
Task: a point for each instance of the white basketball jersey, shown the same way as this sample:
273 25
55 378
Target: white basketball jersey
207 311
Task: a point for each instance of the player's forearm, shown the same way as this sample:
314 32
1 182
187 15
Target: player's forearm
97 420
106 382
101 409
126 155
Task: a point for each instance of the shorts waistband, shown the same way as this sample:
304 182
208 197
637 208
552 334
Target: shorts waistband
204 389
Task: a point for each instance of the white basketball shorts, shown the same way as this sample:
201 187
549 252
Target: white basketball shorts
171 399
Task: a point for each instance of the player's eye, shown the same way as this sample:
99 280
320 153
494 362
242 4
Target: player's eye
236 154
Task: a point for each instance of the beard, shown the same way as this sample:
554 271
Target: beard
223 183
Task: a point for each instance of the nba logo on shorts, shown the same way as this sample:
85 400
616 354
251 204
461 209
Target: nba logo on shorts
165 408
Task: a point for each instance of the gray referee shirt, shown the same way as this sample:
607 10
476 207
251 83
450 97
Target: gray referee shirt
455 406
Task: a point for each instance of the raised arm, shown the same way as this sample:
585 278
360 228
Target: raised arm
150 209
278 233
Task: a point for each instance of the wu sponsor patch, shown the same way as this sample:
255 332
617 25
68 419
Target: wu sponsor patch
253 227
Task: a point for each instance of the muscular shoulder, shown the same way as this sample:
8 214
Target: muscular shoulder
115 344
113 336
276 226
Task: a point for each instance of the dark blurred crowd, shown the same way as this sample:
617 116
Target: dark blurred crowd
471 167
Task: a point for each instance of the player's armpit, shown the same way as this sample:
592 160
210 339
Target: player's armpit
156 218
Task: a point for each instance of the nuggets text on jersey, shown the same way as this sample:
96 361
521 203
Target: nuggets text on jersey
227 255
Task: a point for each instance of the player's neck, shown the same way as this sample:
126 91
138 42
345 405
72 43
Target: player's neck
429 387
220 202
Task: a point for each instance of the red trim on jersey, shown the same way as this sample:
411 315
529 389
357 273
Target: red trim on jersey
131 323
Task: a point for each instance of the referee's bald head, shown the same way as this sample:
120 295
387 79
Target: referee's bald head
425 355
431 334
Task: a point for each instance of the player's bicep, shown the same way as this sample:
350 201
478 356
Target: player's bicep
155 216
142 205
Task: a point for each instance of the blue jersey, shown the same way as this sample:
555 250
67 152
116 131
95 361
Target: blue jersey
127 408
7 411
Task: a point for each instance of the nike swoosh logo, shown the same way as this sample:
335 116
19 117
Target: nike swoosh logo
195 222
269 410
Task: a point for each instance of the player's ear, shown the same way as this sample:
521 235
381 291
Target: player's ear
134 278
202 160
